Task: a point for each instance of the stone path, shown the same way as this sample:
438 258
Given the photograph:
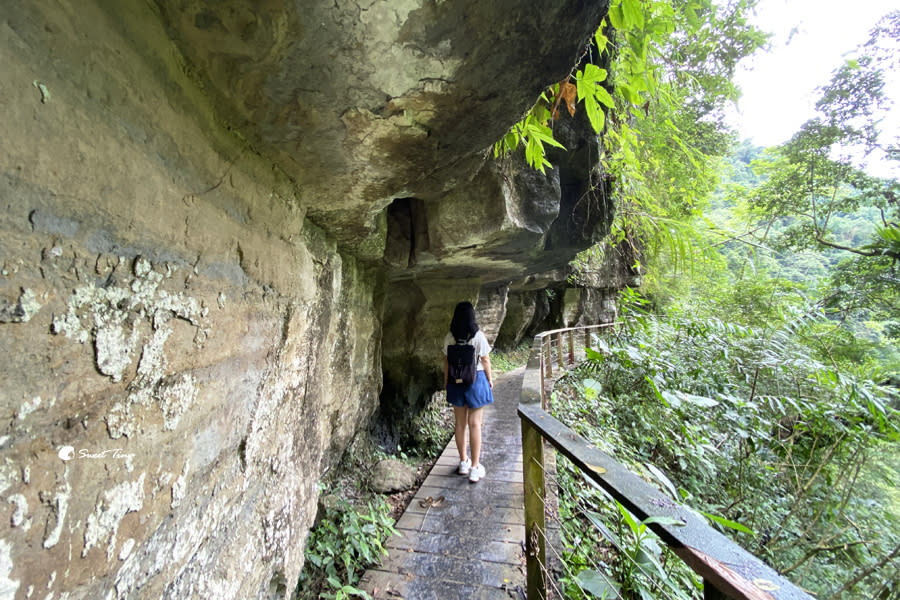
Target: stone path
471 545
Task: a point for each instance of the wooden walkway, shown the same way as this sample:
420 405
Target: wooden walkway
470 546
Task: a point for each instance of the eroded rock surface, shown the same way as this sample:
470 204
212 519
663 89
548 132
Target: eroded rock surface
223 224
365 102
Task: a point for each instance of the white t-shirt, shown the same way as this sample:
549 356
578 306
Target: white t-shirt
482 348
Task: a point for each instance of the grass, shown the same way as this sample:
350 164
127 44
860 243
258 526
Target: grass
510 360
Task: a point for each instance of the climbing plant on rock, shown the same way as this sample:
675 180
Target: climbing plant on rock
658 106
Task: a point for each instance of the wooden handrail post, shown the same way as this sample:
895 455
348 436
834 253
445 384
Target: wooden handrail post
535 540
571 347
587 338
548 356
543 400
559 352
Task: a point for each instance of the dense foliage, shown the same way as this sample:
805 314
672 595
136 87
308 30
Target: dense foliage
760 392
748 426
654 83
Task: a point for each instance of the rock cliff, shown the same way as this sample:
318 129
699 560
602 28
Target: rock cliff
230 233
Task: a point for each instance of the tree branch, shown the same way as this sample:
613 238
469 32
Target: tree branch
812 552
865 573
849 248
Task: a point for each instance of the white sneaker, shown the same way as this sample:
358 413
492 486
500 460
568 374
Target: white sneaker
465 466
477 473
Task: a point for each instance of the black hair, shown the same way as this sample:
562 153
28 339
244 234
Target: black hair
463 325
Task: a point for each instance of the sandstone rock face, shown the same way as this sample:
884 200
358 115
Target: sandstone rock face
588 306
520 312
511 231
231 235
184 354
365 102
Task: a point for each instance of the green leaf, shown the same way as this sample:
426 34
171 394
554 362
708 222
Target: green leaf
628 93
616 17
691 15
545 135
700 400
587 81
672 399
727 523
594 113
597 520
629 520
598 584
638 45
511 140
594 74
601 40
603 96
648 562
661 477
633 14
594 355
592 384
663 521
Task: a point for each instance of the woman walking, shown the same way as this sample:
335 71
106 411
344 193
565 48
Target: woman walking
468 401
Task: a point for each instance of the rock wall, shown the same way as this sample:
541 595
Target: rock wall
184 354
228 232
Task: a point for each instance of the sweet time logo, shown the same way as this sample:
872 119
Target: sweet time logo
67 453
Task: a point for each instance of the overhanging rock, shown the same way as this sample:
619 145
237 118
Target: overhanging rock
361 102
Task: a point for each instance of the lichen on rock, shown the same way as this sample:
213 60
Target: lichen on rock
175 399
23 310
118 319
17 519
103 523
59 506
8 587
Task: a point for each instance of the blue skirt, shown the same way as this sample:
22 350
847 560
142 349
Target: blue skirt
471 396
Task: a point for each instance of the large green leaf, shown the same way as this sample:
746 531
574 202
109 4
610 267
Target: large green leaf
598 584
633 14
594 113
616 17
661 477
604 97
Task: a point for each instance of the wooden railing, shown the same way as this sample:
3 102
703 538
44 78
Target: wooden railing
727 569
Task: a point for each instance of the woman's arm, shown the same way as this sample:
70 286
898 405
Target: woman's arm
486 363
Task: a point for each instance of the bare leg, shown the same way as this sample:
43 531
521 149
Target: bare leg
474 421
460 415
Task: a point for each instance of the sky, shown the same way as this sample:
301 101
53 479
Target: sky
811 38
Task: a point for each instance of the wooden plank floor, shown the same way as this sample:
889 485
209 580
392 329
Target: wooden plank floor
470 546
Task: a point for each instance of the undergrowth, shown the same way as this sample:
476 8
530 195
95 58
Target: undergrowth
794 459
510 360
433 427
344 543
354 522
